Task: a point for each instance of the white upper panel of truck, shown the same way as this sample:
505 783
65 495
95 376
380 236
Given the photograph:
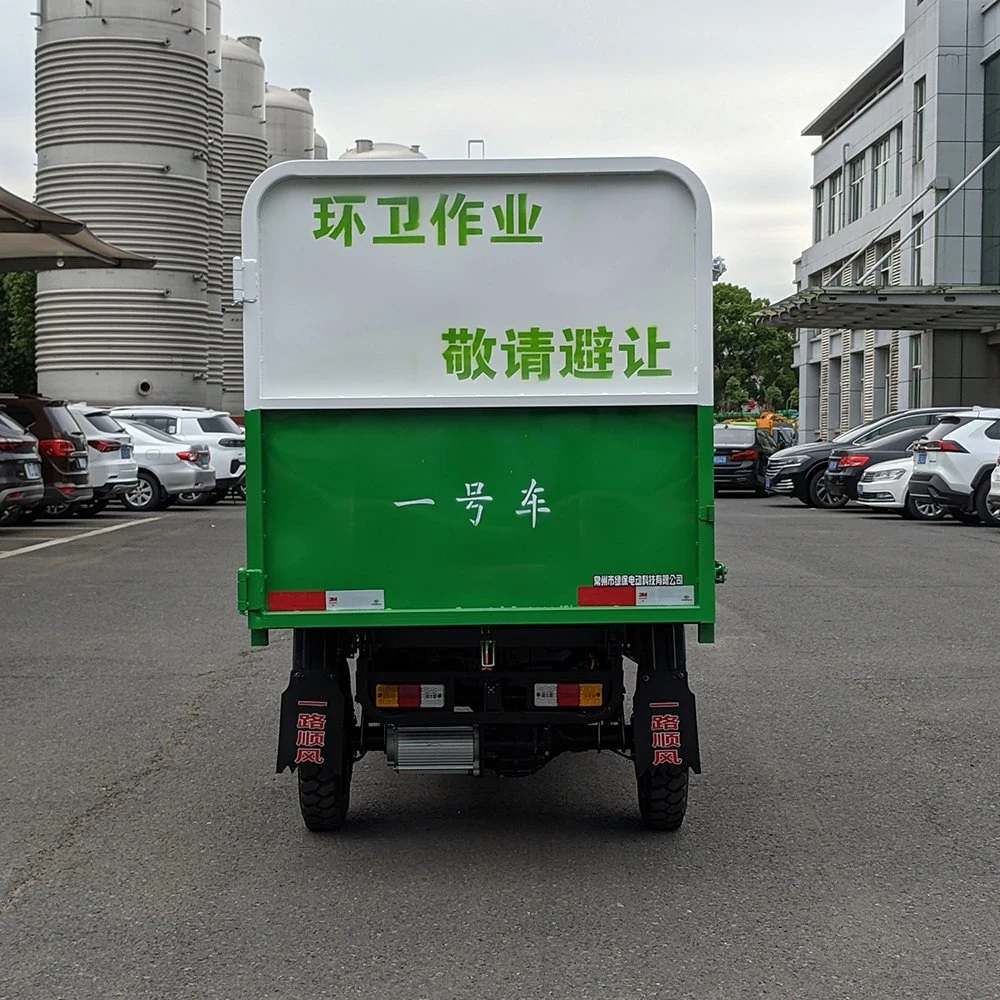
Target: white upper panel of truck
412 283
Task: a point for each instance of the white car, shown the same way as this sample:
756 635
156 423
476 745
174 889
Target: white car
198 425
952 465
113 470
885 486
168 467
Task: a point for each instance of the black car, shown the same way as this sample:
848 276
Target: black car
846 466
741 455
800 471
21 483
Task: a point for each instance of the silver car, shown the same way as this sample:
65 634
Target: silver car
168 466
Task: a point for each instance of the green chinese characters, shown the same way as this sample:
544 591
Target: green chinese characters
454 219
534 354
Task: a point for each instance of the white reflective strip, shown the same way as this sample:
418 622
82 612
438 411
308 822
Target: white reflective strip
546 696
664 597
432 696
355 600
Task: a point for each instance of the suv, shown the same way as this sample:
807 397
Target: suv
799 471
63 449
112 468
953 463
21 485
198 425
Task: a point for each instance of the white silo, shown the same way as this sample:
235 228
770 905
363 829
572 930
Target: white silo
321 151
121 142
365 149
216 266
245 156
290 124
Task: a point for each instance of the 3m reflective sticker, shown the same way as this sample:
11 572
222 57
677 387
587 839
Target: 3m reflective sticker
355 600
664 597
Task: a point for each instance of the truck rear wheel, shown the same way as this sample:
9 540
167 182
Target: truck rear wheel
324 797
663 793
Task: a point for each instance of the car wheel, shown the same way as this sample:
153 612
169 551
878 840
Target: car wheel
919 509
56 510
820 495
663 793
146 496
966 517
9 516
216 496
90 508
192 499
988 511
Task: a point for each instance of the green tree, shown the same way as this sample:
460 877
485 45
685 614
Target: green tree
757 359
733 395
17 331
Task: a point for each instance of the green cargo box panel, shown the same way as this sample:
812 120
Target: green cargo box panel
437 517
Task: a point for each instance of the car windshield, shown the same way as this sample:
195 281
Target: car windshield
62 420
730 436
150 432
219 424
105 422
8 426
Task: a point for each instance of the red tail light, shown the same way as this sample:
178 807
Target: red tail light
13 444
743 456
854 461
188 456
104 446
56 447
944 445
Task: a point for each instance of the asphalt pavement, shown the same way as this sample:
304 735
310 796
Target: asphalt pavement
842 842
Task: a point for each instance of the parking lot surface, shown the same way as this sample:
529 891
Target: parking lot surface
842 841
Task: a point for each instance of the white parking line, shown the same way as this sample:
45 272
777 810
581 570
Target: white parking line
74 538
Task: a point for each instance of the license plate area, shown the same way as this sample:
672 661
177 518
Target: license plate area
720 459
32 470
922 458
126 451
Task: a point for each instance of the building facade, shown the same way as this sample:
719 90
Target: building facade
892 147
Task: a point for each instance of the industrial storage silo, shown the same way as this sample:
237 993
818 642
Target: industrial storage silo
365 149
290 124
121 143
245 156
321 151
216 265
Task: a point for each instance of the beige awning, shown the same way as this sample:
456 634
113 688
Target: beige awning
952 307
34 239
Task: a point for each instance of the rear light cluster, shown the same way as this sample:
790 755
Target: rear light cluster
944 445
13 444
569 695
749 455
854 461
231 443
56 447
409 696
99 444
189 456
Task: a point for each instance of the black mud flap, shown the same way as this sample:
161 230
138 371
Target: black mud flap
665 723
312 723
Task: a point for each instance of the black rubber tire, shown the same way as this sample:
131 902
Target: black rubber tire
90 508
966 517
29 516
818 495
149 491
804 500
983 509
215 496
11 515
912 510
324 797
55 511
663 793
169 499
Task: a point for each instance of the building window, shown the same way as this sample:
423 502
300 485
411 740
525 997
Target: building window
916 370
835 201
880 172
897 137
919 111
991 175
818 214
856 195
918 249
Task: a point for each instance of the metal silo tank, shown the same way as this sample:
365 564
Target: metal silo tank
216 265
290 124
365 149
245 156
121 141
321 151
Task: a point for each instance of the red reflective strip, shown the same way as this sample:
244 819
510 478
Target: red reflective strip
605 597
296 600
568 695
409 696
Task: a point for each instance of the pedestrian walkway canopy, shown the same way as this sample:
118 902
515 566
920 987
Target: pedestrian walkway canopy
34 239
869 307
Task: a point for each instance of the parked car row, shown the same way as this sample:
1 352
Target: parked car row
61 459
923 464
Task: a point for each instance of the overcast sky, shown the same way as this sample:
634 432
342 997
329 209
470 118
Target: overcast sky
725 86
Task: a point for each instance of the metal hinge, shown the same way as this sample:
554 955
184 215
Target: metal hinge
250 590
244 280
721 572
707 514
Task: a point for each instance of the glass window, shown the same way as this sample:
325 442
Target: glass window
897 141
916 370
220 424
105 422
62 420
8 426
835 201
880 172
919 111
918 249
733 436
856 196
818 214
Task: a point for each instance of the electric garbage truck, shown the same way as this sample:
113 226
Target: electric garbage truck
479 449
